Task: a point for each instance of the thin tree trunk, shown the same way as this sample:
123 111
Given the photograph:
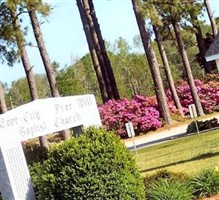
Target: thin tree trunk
153 65
201 46
187 68
103 51
3 106
168 71
24 57
98 50
202 50
95 61
27 67
43 53
211 18
46 61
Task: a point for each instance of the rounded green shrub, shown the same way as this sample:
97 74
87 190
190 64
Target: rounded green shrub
205 183
95 165
170 190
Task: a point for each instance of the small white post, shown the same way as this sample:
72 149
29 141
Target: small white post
217 63
193 114
131 133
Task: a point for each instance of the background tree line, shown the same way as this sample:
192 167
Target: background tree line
129 66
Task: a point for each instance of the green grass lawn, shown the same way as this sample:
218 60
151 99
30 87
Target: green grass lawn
189 155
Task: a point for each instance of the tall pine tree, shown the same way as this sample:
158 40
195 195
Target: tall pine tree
153 64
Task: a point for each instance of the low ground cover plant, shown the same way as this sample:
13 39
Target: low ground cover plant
156 180
167 185
95 165
205 183
143 111
203 125
170 190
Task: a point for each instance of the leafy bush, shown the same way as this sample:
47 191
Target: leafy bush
95 165
203 125
149 180
206 183
170 190
169 185
141 111
208 93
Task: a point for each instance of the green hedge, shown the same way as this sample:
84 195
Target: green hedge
95 165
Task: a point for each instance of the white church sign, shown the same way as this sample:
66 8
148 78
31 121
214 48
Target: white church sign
32 120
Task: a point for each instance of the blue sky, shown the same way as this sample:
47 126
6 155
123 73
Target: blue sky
64 36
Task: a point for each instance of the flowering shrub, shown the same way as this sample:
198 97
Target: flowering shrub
143 111
209 95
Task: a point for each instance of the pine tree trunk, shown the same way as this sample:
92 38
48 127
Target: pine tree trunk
46 61
153 65
3 106
24 57
211 18
43 53
168 71
202 50
201 46
94 58
27 67
98 50
187 68
103 51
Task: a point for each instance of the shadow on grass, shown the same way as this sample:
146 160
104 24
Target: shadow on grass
166 145
198 157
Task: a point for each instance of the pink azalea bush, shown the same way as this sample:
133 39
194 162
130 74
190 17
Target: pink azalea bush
143 111
209 96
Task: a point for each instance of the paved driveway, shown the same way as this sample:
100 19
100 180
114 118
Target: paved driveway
161 135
